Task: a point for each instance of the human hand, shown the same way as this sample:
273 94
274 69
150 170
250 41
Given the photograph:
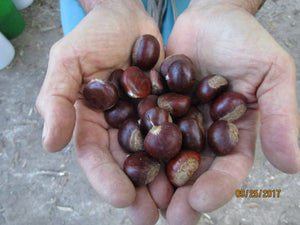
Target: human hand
225 39
101 43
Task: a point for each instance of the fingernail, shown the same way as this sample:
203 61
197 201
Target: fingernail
45 132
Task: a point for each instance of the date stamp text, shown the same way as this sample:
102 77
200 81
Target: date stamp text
257 193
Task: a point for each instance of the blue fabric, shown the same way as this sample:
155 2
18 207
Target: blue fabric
168 23
72 13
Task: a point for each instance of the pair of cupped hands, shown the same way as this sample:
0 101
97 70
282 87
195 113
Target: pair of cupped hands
220 39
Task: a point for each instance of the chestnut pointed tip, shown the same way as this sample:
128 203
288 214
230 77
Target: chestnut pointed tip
165 145
155 130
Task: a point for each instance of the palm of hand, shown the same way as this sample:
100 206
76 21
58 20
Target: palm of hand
101 43
98 151
229 41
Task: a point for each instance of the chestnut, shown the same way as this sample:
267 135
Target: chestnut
210 87
192 94
118 114
194 113
164 67
145 52
135 83
100 94
163 141
115 78
154 116
180 77
176 104
182 167
130 137
145 104
141 168
222 137
229 106
192 134
158 83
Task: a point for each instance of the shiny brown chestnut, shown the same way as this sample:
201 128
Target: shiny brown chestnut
118 114
145 52
192 134
180 77
163 141
222 137
192 94
135 83
115 78
154 116
141 168
164 67
182 167
194 113
158 83
210 87
229 106
130 137
176 104
145 104
100 94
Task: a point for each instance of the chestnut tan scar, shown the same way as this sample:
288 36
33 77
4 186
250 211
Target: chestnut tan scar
152 173
165 106
136 141
235 114
185 172
233 132
217 81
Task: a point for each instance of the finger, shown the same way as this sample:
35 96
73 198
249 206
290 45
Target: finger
279 117
179 211
116 150
143 210
161 189
102 171
56 99
217 185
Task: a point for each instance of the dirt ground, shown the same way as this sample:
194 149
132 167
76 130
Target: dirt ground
37 187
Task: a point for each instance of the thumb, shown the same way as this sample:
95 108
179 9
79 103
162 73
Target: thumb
57 97
279 116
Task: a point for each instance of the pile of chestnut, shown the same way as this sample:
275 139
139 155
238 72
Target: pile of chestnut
158 113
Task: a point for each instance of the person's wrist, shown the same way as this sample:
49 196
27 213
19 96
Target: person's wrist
249 5
89 5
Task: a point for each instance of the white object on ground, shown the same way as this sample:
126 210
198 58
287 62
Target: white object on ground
7 52
22 4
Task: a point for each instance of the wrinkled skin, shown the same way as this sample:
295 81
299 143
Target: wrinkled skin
220 39
227 40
